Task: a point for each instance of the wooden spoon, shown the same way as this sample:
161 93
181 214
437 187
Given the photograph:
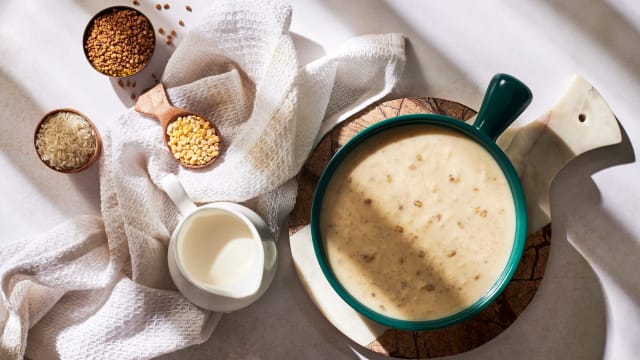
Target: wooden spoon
156 104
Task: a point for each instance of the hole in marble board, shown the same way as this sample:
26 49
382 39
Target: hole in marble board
582 118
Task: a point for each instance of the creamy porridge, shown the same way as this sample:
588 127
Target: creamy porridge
418 222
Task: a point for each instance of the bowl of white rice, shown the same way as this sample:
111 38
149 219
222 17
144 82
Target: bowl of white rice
67 141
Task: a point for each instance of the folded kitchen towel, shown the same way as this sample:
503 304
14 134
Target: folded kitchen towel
99 287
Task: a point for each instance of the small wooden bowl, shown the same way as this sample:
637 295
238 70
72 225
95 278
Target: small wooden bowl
96 152
156 104
102 12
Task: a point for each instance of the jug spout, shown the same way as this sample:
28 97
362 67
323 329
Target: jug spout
247 285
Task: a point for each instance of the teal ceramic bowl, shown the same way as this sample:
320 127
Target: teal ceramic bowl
505 99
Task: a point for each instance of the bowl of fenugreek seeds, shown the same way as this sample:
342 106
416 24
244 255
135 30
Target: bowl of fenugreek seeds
119 41
67 141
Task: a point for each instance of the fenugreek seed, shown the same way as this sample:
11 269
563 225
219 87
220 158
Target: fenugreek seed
188 8
166 6
174 33
367 257
169 42
429 287
417 203
180 22
120 83
161 30
158 6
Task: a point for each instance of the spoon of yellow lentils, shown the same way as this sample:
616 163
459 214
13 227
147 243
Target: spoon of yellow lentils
192 139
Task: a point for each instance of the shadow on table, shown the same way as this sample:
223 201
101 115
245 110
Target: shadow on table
581 225
417 80
606 243
607 26
17 146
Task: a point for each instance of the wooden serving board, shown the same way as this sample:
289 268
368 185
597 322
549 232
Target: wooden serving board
455 339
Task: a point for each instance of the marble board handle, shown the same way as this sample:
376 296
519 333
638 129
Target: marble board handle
579 122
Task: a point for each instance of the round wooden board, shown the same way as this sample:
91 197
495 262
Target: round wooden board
458 338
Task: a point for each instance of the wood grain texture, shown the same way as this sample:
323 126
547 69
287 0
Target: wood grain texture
459 338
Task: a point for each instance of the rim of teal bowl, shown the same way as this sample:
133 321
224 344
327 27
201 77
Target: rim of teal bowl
519 204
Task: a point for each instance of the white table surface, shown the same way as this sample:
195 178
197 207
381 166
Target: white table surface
588 306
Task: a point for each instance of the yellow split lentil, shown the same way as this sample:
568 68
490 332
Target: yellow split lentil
192 140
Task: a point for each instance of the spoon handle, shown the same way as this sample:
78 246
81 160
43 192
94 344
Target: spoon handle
155 103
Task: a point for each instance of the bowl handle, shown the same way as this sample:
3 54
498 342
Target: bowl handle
506 98
171 185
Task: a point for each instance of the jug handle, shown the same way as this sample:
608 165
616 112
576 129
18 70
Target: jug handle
171 185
